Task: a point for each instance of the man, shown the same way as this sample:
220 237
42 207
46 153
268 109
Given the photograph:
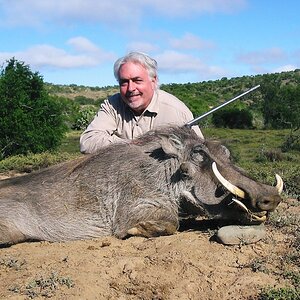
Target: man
139 107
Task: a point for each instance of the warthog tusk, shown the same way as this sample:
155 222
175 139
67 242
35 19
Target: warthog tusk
229 186
279 185
253 216
240 204
260 219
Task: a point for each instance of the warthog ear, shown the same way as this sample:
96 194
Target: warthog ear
172 145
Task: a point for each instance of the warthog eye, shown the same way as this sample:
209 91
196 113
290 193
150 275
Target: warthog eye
198 154
197 149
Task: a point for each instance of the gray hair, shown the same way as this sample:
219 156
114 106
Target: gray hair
145 60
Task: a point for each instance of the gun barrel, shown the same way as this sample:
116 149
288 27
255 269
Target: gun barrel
196 120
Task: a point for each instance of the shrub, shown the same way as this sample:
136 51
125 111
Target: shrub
84 117
30 120
233 118
292 141
271 155
281 107
69 109
82 100
286 293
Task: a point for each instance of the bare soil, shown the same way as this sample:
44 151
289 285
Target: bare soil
186 265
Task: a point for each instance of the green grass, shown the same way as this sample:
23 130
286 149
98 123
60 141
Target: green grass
71 143
28 163
249 144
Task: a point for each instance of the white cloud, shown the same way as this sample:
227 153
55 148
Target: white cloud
86 54
142 46
190 41
172 61
261 57
284 68
269 60
195 7
82 44
34 12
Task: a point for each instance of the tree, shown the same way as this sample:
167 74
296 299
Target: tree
281 107
30 121
282 110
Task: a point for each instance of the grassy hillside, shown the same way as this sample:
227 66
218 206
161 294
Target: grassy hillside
72 91
199 96
212 91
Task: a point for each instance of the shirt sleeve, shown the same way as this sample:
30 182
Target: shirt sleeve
189 117
198 131
101 131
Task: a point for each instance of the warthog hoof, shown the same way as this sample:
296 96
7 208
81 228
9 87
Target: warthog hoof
152 229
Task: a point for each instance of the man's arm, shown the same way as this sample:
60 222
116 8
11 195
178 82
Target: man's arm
186 116
101 131
198 131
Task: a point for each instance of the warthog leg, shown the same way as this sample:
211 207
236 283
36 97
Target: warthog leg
9 234
146 217
152 228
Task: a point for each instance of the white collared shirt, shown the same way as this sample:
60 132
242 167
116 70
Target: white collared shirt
115 121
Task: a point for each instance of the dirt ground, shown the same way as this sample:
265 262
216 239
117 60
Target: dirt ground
187 265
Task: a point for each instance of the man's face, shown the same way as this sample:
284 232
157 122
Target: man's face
136 87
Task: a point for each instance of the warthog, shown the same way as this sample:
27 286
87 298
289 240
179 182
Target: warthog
134 188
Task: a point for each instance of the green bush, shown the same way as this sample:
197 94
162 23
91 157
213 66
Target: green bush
82 100
281 107
30 120
233 118
84 117
269 155
69 109
286 293
292 141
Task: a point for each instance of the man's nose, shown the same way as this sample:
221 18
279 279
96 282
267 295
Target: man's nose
131 85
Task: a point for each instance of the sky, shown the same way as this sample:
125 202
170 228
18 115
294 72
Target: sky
78 41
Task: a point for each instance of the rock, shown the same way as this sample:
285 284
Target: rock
236 235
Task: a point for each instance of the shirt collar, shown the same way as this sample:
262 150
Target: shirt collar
153 105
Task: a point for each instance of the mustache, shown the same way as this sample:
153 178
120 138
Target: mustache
130 94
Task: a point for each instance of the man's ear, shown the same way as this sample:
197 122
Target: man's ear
172 145
154 81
